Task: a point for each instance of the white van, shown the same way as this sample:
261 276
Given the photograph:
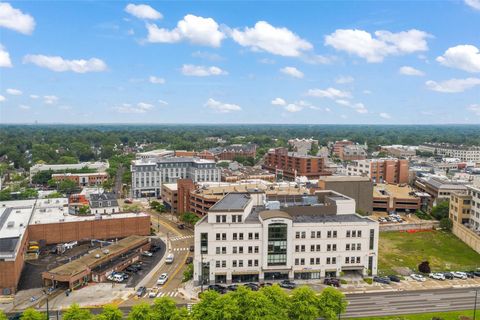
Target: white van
118 278
169 259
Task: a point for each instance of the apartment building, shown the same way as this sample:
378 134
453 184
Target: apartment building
245 238
399 151
353 152
302 146
464 153
460 206
474 192
385 170
290 165
148 175
154 154
230 152
338 146
82 179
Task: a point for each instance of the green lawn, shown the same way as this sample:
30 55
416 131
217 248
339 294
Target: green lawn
443 250
450 315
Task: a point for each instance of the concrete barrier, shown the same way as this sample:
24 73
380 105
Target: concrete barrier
424 225
466 235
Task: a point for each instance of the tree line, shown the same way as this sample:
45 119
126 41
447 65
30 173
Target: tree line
269 303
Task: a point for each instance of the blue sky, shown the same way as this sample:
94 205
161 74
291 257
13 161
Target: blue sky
330 62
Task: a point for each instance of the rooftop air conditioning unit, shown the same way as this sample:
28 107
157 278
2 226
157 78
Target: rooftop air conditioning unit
97 256
106 251
10 224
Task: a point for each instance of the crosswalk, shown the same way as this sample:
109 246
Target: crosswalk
171 294
181 238
181 249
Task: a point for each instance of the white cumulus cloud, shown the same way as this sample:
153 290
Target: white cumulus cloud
453 85
143 11
278 102
59 64
140 107
463 57
265 37
330 93
222 107
475 4
374 48
475 108
196 30
156 80
385 115
50 99
410 71
292 71
292 107
14 92
202 71
15 19
5 61
344 79
2 98
163 102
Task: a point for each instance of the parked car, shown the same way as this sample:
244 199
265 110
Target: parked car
137 265
460 275
131 269
417 277
384 280
437 276
232 287
476 273
470 274
141 292
147 253
287 284
155 248
123 274
252 286
448 275
162 279
153 292
332 282
181 226
189 260
218 288
394 278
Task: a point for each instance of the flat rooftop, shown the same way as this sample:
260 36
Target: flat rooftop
232 202
343 178
393 190
170 186
98 256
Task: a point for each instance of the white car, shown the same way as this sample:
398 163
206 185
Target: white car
418 277
153 293
147 253
437 276
162 279
460 275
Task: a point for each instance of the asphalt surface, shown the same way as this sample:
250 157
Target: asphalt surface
405 302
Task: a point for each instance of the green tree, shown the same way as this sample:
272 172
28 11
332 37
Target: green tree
67 160
83 210
140 312
208 307
440 211
164 308
446 224
188 273
54 195
67 186
110 312
253 304
304 304
332 302
32 314
3 316
279 298
189 218
74 312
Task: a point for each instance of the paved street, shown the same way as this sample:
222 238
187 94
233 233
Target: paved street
395 303
179 242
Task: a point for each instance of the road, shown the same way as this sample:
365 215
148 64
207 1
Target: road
395 303
118 185
180 242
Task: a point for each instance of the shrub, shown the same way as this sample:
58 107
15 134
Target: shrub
368 280
424 267
343 281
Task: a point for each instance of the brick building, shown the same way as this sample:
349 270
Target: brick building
291 165
230 152
82 179
388 170
47 221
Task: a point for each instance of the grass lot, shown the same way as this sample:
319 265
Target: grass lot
450 315
443 250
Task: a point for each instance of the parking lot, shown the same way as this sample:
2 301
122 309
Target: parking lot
147 264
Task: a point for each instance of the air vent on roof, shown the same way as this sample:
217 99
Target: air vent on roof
10 224
106 251
97 256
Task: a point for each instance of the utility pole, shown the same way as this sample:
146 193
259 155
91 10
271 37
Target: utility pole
475 305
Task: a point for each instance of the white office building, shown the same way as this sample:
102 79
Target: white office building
464 153
148 175
246 239
474 192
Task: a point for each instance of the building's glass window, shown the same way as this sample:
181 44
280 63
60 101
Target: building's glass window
204 242
372 238
277 244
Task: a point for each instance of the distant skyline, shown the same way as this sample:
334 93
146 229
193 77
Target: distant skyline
292 62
